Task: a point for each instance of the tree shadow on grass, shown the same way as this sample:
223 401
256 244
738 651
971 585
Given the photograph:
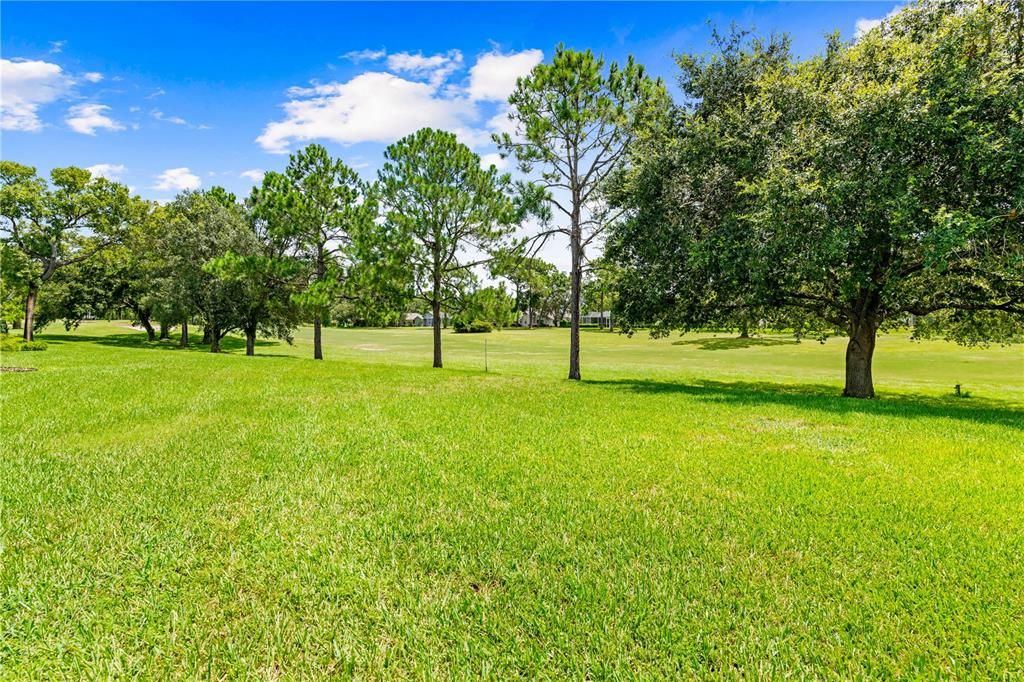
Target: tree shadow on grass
734 342
229 344
828 399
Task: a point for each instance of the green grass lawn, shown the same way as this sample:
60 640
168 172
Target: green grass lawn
701 506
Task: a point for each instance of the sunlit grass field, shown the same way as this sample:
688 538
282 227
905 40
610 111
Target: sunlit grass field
697 507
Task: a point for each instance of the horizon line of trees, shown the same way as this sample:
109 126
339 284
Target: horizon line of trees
848 191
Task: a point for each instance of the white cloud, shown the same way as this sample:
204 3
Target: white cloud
493 77
28 85
110 171
435 68
372 107
365 55
177 180
88 118
864 25
493 159
254 174
381 107
134 110
57 46
159 92
161 116
176 120
93 76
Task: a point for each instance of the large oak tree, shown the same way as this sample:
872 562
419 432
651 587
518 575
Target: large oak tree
61 223
849 191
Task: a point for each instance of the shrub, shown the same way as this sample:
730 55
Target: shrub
474 327
10 344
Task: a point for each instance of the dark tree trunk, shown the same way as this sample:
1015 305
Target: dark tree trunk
576 277
215 337
184 333
165 330
207 334
318 350
435 304
435 307
321 270
143 315
30 312
250 341
859 352
744 330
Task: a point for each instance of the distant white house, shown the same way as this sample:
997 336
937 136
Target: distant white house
428 319
601 318
411 320
538 320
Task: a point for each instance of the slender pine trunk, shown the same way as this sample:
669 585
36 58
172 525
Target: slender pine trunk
435 307
576 277
318 350
321 270
435 304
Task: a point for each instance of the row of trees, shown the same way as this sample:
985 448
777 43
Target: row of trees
847 192
316 237
307 238
305 245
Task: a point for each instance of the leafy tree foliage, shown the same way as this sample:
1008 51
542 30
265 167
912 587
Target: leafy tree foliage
60 224
575 121
16 271
850 191
532 280
203 227
268 277
450 213
600 287
485 309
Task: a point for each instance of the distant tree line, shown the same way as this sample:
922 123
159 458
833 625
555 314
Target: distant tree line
878 183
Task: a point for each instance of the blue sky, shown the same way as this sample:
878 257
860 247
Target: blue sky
172 96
